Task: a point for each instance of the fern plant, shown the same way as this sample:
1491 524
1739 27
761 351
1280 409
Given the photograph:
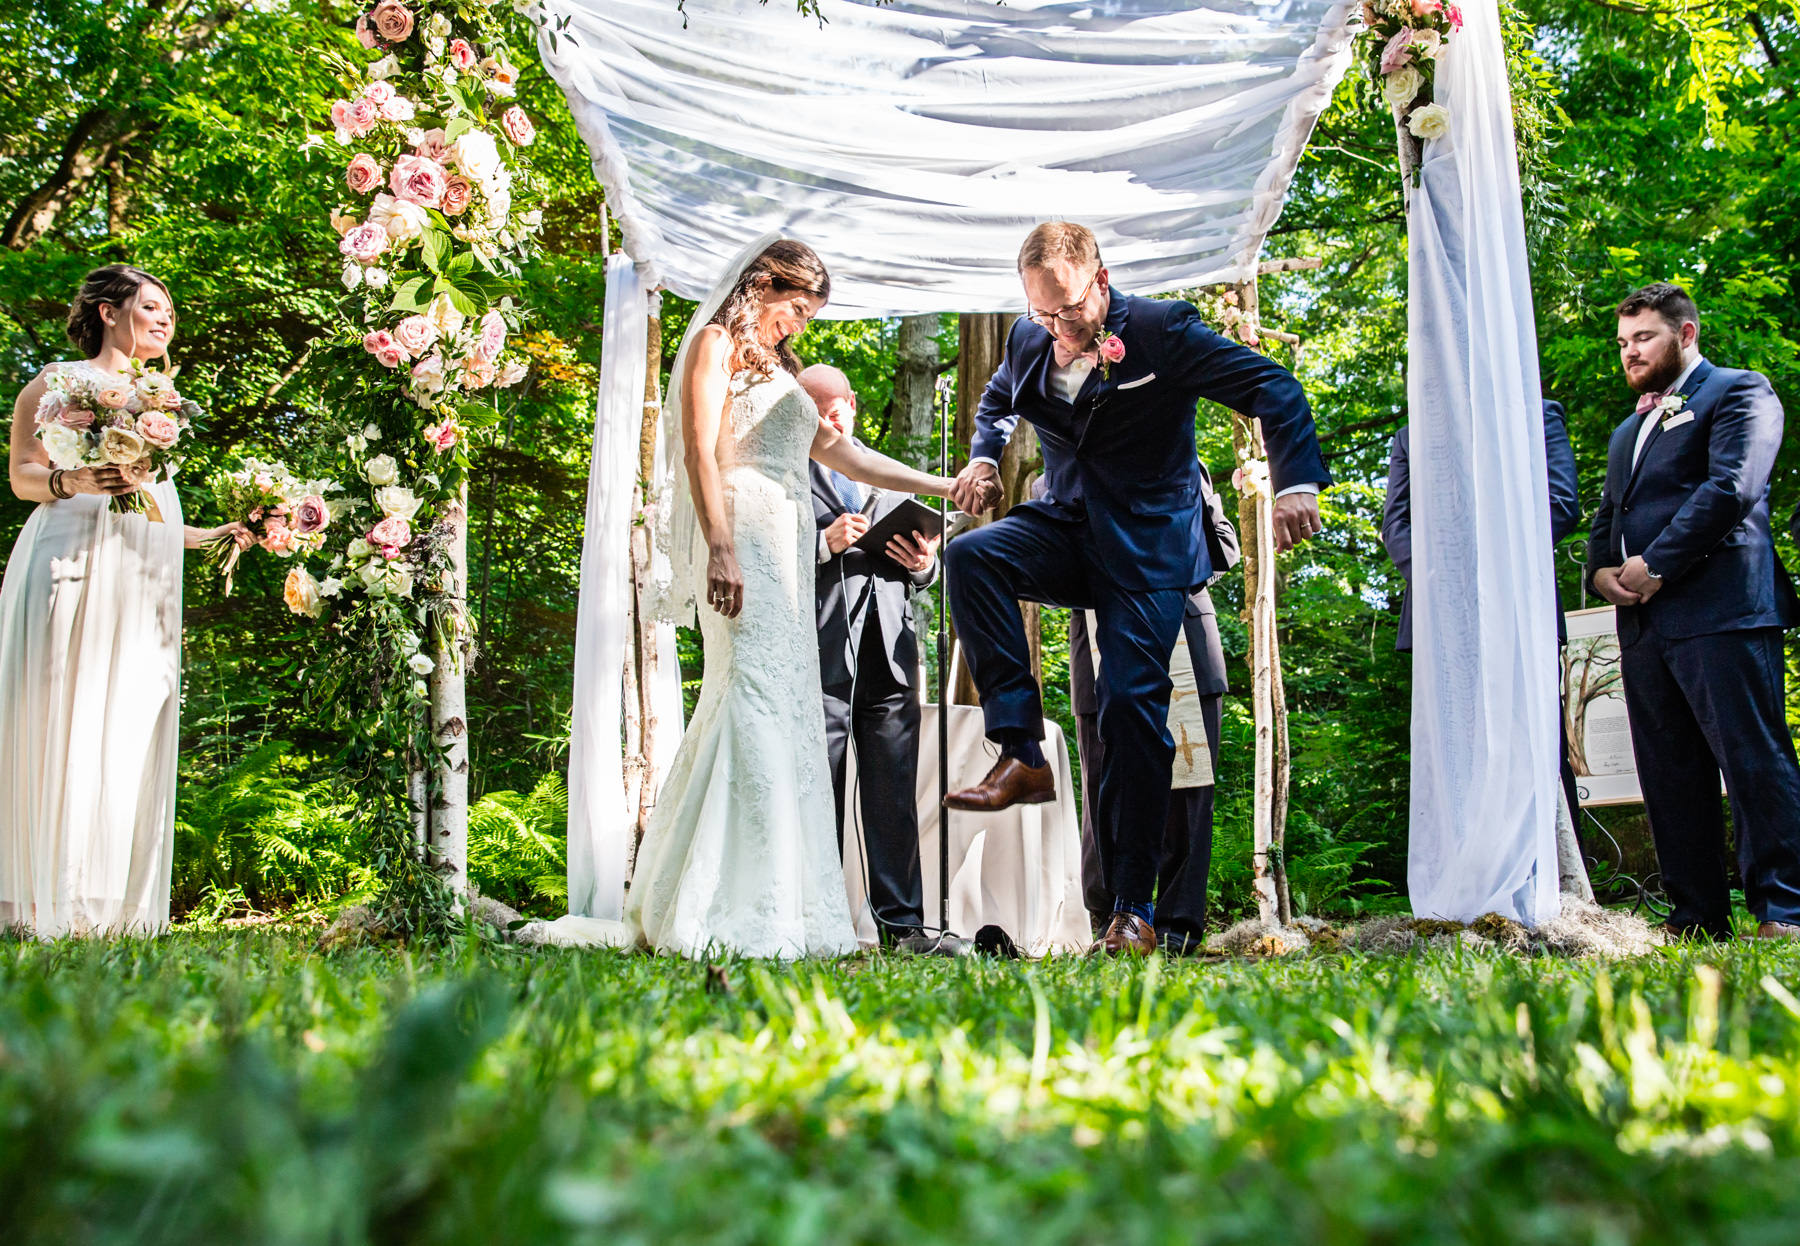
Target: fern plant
518 847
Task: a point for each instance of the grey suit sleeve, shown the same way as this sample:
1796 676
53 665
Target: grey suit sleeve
1396 518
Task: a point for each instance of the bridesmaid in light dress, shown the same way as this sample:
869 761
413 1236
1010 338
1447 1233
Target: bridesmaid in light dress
90 657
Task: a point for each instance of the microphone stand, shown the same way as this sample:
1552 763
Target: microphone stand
943 663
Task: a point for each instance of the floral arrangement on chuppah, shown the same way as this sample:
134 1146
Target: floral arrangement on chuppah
1404 41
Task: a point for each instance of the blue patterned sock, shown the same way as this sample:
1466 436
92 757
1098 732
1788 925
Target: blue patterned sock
1144 912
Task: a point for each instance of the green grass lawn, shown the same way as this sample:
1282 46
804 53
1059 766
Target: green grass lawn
238 1088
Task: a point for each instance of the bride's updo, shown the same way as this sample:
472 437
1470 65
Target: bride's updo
112 286
786 267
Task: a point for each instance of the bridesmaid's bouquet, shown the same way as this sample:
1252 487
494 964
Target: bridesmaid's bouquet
285 514
136 421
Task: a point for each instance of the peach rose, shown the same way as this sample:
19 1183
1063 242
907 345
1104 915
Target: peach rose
415 335
114 397
277 537
364 35
393 21
121 446
418 180
457 193
386 350
518 126
301 593
476 373
158 429
363 173
341 117
379 93
462 55
433 146
443 437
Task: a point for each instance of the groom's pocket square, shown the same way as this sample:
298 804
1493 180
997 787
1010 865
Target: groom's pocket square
1142 380
1676 421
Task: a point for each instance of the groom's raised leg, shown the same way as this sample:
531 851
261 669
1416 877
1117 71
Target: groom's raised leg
1025 555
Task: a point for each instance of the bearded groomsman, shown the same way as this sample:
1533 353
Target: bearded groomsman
1681 545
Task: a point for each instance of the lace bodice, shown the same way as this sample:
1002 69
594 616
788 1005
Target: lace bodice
772 424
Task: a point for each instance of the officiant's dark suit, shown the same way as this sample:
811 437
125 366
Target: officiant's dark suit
1702 658
1565 518
867 646
1120 530
1185 858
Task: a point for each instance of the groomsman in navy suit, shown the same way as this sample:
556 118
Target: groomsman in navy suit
1111 383
1681 545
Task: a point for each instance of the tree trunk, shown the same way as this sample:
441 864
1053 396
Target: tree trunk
449 704
915 381
981 345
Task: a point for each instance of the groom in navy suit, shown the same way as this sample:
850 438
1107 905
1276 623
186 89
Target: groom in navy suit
1111 384
1681 545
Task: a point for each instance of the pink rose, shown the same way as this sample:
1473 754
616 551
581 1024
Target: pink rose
415 335
386 350
1112 350
341 118
364 113
512 373
277 537
443 437
1455 15
418 180
76 417
378 92
398 109
492 339
476 373
393 21
433 146
364 35
1396 53
114 397
158 429
1425 8
518 126
169 400
311 515
457 192
462 55
363 174
364 243
392 533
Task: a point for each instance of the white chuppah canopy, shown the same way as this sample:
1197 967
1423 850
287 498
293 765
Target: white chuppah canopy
913 144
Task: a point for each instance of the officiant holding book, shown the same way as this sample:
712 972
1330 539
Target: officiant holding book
869 670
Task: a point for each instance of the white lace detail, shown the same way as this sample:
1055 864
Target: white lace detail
741 851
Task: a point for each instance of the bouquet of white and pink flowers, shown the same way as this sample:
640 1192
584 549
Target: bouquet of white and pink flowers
285 514
134 422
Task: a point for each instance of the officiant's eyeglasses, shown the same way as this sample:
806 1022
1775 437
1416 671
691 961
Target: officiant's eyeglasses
1069 314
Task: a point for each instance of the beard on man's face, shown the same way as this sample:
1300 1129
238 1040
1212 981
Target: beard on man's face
1662 367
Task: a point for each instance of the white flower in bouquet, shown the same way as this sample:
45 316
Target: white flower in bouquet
409 643
330 586
419 664
374 577
371 433
384 68
122 446
153 384
402 580
419 689
443 316
397 502
358 550
478 156
1431 121
400 219
375 278
381 470
355 443
64 445
353 275
1402 86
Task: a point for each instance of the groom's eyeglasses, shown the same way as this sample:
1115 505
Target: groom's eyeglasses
1069 314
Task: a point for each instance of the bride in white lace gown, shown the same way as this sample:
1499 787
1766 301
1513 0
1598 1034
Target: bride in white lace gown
90 659
741 853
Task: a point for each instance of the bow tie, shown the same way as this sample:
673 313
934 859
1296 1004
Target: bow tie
1647 401
1066 355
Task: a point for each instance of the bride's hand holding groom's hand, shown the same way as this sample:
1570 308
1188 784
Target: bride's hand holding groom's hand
724 582
976 488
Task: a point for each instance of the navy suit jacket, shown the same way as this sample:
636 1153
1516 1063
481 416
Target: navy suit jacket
1122 454
1396 519
1696 509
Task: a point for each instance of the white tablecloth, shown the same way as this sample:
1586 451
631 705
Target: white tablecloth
1019 869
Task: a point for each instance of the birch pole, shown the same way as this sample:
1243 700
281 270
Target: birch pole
643 654
449 701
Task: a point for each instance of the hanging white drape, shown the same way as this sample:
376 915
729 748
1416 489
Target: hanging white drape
915 143
599 832
1484 728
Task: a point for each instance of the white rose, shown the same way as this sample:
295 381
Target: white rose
477 155
381 470
330 586
375 278
1401 86
374 577
371 433
498 205
358 550
353 275
64 446
443 316
384 68
1431 121
403 221
403 583
437 26
396 502
419 664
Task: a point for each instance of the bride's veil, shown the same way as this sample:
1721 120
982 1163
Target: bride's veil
679 567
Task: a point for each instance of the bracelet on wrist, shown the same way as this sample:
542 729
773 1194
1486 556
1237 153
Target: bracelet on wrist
56 485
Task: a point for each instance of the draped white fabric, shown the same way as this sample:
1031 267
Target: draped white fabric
914 143
598 835
1484 733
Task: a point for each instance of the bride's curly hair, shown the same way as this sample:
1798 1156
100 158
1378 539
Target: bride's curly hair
786 267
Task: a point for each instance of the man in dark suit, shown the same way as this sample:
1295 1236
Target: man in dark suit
869 670
1111 384
1565 517
1681 545
1185 859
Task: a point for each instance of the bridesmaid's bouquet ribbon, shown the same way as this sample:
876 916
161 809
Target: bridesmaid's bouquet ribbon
136 421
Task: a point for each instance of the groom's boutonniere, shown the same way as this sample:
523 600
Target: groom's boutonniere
1111 349
1670 405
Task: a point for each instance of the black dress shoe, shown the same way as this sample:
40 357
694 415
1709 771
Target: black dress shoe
916 942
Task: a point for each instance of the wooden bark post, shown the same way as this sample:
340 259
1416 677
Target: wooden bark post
643 658
982 345
449 704
1256 521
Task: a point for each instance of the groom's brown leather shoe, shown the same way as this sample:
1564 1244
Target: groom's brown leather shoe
1127 934
1777 930
1011 782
